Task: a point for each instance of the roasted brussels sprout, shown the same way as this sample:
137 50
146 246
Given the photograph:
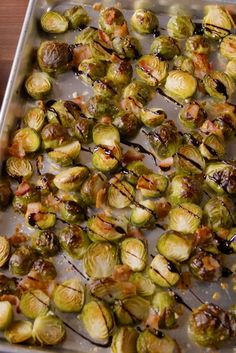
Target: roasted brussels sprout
219 85
165 307
53 56
120 194
48 330
135 170
175 246
189 159
217 22
74 240
45 184
77 17
196 44
120 73
19 168
72 211
127 124
185 218
194 138
99 106
144 21
95 183
180 27
139 91
124 340
131 310
153 117
165 47
151 69
164 140
44 269
192 115
6 315
7 285
71 179
104 87
134 254
91 70
150 342
143 215
185 188
86 36
183 63
230 69
180 84
38 85
22 260
19 331
69 296
65 155
212 147
143 284
63 112
102 227
112 21
107 158
4 250
54 135
206 266
34 303
163 272
83 129
6 193
53 22
100 259
210 326
221 177
28 139
127 47
35 118
39 217
46 243
105 134
152 185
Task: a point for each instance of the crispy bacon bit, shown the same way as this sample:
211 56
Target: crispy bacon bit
13 299
135 233
132 155
208 126
23 188
16 149
34 207
153 320
202 235
210 263
163 208
106 120
121 31
101 198
104 37
166 164
201 65
97 6
18 239
121 273
81 53
185 281
52 202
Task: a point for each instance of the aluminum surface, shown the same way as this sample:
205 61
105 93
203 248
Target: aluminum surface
65 85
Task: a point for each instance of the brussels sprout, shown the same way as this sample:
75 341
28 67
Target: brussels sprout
48 330
217 22
100 259
107 158
180 84
153 117
143 284
102 227
99 106
135 170
206 266
152 185
144 21
104 87
46 243
74 241
38 85
19 331
63 112
91 70
180 27
165 306
197 44
175 246
90 189
185 218
120 194
221 177
83 129
194 138
54 135
127 47
69 296
112 19
65 155
131 310
162 272
7 285
44 269
97 320
209 325
183 63
5 193
120 73
109 290
151 69
71 179
230 69
127 124
45 184
149 342
143 214
164 140
134 254
34 303
192 115
19 168
124 340
212 147
165 47
4 250
72 209
105 134
28 139
53 56
219 85
86 36
38 216
185 188
189 159
53 22
35 118
77 17
6 315
232 239
139 91
21 260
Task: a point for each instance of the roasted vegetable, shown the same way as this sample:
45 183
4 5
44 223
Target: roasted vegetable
6 315
144 21
45 324
4 250
35 118
74 240
77 17
206 266
19 331
149 342
180 84
131 310
152 185
180 27
217 22
219 85
189 159
102 227
69 296
53 22
163 272
185 217
192 115
221 177
34 303
153 117
165 308
112 21
124 340
165 47
151 69
185 188
21 260
134 254
127 47
38 85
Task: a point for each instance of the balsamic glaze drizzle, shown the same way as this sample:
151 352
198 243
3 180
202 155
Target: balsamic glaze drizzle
140 149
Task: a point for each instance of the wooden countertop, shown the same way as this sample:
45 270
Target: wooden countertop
11 18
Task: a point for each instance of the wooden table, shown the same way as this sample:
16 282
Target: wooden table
11 18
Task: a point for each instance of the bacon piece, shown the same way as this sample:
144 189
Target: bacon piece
121 273
132 155
23 188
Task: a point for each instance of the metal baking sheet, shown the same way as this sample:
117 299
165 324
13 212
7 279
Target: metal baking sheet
65 86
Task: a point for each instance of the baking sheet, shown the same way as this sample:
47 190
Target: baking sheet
65 87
